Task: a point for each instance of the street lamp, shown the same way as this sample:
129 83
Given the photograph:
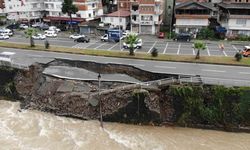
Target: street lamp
99 96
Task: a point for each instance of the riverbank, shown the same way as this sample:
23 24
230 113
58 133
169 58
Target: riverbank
122 54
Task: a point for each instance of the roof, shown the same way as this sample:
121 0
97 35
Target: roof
235 5
121 13
52 18
206 5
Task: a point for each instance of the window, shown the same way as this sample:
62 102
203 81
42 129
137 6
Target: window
93 5
93 13
241 21
89 15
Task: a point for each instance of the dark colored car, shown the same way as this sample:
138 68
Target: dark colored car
82 40
43 27
13 26
183 37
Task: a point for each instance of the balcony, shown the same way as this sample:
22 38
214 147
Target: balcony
239 16
146 22
189 16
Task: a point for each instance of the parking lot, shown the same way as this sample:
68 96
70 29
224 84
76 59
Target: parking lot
163 46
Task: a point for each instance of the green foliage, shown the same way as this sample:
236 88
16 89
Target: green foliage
69 8
154 52
29 33
215 105
206 33
199 45
238 56
131 40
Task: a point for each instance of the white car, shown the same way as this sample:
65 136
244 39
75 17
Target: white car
50 33
105 38
54 28
137 45
4 36
36 25
6 56
23 26
39 37
76 36
6 32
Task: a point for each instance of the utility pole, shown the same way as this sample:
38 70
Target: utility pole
100 101
119 16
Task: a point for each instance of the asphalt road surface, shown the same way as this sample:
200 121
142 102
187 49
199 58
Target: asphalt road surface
163 46
214 74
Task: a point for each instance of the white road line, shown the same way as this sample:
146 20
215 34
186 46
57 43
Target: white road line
208 70
224 53
152 47
122 49
244 72
136 65
179 47
91 44
113 46
235 48
164 52
135 49
193 51
100 45
165 67
208 52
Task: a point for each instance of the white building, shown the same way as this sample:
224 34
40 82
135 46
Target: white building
20 9
118 18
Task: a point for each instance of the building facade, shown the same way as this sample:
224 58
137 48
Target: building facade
146 16
235 17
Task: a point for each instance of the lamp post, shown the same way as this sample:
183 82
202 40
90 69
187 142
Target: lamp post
119 17
99 96
170 22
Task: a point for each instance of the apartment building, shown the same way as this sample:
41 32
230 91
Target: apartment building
24 9
192 16
146 16
235 17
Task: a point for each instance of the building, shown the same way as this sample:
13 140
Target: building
119 18
28 10
235 17
146 16
192 16
168 12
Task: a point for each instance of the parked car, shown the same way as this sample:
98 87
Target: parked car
37 25
13 26
39 36
50 33
104 38
4 36
76 36
6 32
82 40
246 51
161 35
183 37
54 28
23 26
43 26
137 45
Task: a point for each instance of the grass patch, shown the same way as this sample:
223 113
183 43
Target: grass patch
125 54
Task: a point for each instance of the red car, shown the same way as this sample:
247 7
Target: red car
161 35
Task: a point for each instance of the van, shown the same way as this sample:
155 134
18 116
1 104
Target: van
183 37
246 51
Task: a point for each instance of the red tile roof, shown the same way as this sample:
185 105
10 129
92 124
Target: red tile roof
121 13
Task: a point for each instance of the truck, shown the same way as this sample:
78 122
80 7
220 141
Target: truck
113 35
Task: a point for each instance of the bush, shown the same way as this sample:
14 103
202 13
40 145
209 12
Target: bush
206 33
238 56
154 52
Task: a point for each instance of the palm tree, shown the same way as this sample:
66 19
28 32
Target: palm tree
69 8
29 33
199 45
131 40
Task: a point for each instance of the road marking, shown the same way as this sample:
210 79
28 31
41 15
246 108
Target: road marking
208 52
152 47
122 49
223 51
193 51
235 48
135 49
165 67
113 46
179 47
244 72
208 70
100 45
91 44
164 52
136 65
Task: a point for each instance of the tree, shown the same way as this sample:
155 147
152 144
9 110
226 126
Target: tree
29 33
131 40
206 33
199 45
69 8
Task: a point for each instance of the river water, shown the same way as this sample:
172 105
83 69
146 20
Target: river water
33 130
